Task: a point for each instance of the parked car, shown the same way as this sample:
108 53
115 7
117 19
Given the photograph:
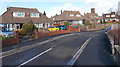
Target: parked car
61 27
53 28
108 29
6 32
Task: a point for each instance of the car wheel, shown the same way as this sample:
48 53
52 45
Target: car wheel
57 30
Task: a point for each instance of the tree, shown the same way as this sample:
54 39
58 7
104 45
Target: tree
83 21
66 24
104 21
28 28
44 13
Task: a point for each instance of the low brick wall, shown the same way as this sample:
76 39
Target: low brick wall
93 29
114 32
74 29
116 46
41 35
10 41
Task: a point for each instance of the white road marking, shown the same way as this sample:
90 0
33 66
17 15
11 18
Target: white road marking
20 49
78 53
35 57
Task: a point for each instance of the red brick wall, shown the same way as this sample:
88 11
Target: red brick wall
74 29
11 41
41 35
114 32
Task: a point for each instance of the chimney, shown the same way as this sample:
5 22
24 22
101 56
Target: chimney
8 8
61 11
92 10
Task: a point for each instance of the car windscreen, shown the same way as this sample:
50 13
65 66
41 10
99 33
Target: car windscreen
51 27
6 30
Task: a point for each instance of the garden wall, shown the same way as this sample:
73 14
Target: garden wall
114 32
41 35
11 41
73 29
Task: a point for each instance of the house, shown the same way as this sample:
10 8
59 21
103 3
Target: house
92 17
118 12
110 17
15 17
73 17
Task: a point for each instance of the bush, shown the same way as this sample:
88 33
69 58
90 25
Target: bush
28 28
66 24
87 23
21 32
83 21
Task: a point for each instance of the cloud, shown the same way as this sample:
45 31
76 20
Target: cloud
41 0
66 6
103 6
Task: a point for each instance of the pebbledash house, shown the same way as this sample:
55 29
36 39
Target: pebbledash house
15 17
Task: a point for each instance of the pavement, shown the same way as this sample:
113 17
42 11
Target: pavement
84 48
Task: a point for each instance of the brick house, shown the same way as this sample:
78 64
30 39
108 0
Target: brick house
110 17
74 17
92 17
15 17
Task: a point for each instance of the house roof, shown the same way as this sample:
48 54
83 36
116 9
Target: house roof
92 16
65 15
7 17
112 13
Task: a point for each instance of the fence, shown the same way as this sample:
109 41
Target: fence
41 35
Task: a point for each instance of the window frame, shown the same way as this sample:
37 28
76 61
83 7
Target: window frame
19 14
32 14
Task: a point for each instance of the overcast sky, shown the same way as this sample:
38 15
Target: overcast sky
52 7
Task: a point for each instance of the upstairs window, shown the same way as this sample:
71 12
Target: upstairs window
71 14
18 14
78 15
34 14
107 15
112 15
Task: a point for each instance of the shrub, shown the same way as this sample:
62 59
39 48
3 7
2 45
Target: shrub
103 21
87 23
66 24
83 21
28 28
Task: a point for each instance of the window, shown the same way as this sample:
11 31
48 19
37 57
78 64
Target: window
112 15
19 14
71 14
107 15
78 15
34 14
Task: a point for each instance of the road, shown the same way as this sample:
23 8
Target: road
84 48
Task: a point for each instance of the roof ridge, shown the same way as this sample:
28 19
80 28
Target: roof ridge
22 8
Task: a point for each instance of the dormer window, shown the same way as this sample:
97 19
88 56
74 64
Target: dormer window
71 14
112 15
78 15
34 14
18 14
107 15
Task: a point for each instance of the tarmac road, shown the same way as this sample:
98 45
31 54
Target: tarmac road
84 48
